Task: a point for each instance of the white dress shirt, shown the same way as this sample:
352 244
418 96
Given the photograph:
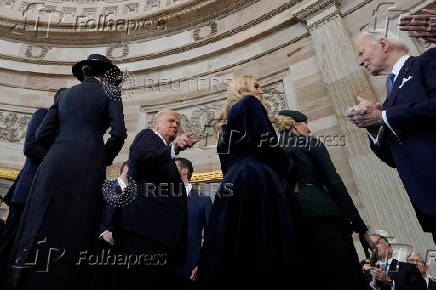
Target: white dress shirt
188 188
173 152
396 71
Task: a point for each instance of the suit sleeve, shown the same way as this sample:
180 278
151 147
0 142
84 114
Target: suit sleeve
383 152
108 213
33 149
413 279
145 152
117 132
49 127
262 136
401 117
337 188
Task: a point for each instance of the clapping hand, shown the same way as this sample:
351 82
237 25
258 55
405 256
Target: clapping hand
365 114
420 26
184 142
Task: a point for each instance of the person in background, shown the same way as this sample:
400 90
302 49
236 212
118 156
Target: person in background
17 194
199 207
418 260
389 273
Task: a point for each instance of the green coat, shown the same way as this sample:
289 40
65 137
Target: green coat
321 190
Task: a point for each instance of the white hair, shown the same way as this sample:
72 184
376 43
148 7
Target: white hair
376 35
162 113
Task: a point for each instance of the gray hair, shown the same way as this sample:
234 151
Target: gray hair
162 113
376 35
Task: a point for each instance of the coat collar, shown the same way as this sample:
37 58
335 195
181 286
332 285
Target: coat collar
91 80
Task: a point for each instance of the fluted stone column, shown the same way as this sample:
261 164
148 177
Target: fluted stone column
386 204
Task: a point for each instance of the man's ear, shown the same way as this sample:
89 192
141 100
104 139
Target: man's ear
384 43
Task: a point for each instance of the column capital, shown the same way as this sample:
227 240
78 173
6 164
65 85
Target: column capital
314 12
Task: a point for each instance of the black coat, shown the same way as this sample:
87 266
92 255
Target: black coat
405 276
34 152
249 243
158 212
64 205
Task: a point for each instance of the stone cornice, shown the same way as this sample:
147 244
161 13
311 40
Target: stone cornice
316 8
171 51
185 18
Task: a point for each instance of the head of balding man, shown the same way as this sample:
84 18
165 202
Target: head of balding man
167 123
378 51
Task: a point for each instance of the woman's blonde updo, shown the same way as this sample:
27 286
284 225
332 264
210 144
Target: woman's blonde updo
283 123
238 88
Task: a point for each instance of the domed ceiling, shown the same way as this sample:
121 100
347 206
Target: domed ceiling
98 22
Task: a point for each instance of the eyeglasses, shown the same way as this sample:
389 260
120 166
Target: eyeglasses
414 261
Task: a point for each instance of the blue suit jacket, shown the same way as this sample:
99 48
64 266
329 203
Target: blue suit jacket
199 207
411 112
431 285
34 152
109 210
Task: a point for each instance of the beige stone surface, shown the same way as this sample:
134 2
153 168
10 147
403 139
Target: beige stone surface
303 58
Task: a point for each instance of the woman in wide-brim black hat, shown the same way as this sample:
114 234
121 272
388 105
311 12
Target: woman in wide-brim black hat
65 201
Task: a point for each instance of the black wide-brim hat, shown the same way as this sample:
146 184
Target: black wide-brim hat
101 64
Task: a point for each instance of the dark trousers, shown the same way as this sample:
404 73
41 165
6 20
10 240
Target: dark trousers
146 265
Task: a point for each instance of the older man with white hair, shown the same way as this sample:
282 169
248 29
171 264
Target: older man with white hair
151 230
402 131
422 266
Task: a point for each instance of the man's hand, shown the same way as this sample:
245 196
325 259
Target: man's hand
365 114
420 26
194 273
107 237
379 274
366 243
184 142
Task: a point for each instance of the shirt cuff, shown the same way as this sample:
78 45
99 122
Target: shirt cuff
385 120
372 138
101 235
372 286
173 152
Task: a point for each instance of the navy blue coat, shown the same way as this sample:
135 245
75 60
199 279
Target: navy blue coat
249 241
431 285
34 152
411 112
65 200
158 214
199 207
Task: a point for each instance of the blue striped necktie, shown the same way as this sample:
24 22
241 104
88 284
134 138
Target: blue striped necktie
390 83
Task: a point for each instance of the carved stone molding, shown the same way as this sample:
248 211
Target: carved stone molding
31 53
13 126
213 27
319 11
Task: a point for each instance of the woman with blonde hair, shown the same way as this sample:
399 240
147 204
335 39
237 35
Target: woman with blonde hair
249 239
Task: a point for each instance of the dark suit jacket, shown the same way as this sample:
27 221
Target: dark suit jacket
159 209
431 285
405 275
34 152
109 210
411 112
199 207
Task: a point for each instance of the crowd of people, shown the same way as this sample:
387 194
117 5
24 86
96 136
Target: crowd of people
281 219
